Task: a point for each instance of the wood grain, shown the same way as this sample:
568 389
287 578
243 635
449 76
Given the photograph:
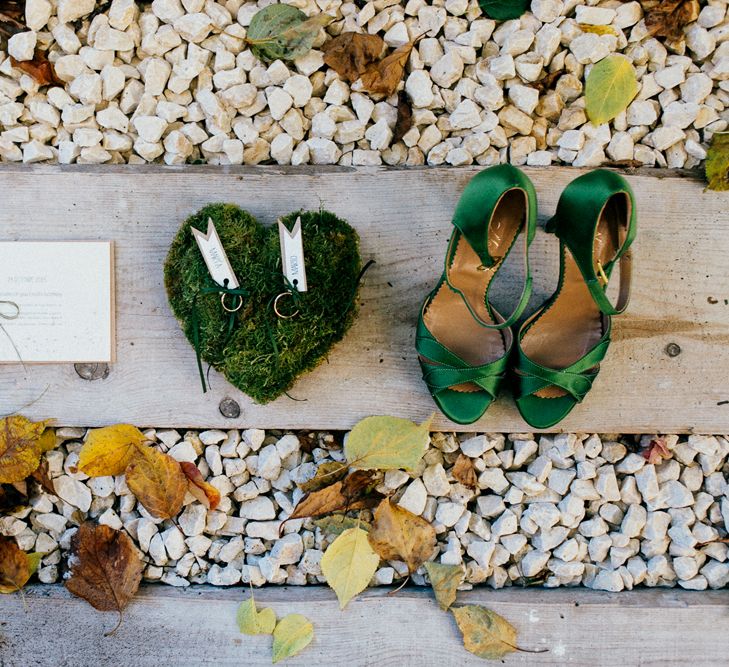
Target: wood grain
680 297
166 626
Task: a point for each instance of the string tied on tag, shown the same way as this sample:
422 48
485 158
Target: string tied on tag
231 299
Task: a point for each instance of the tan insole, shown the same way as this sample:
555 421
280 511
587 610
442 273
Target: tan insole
573 324
448 318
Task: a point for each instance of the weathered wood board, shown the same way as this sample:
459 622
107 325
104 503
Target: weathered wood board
166 626
681 297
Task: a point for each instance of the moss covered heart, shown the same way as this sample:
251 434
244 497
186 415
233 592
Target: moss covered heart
257 351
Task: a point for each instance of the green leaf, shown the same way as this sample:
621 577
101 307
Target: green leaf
717 162
387 443
504 10
485 633
445 580
336 524
253 622
291 636
34 560
610 88
282 32
349 564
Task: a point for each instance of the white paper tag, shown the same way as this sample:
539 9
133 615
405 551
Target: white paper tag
292 255
215 258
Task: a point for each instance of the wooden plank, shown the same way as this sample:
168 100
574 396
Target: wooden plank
165 626
681 297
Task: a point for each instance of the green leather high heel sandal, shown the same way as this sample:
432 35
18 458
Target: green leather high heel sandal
463 342
560 347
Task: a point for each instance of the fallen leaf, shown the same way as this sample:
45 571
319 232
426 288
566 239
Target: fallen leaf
109 450
668 18
282 32
291 636
404 116
157 481
14 566
548 81
34 560
11 17
11 499
398 534
206 493
336 524
610 88
445 580
351 53
383 77
464 472
485 633
42 476
598 29
628 165
40 68
349 564
106 567
387 443
504 10
657 451
326 475
21 444
717 162
352 493
254 622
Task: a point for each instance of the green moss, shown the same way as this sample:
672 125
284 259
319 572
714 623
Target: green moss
265 354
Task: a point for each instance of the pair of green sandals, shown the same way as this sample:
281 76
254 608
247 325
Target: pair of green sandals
467 347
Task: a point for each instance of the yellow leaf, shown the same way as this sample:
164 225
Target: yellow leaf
15 566
398 534
610 88
109 450
48 440
21 444
253 622
291 636
34 560
485 633
717 162
349 564
157 481
387 443
598 29
445 580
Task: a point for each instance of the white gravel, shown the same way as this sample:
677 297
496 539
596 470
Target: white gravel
174 82
561 510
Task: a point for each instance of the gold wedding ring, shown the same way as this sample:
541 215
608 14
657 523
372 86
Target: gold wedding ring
225 306
278 312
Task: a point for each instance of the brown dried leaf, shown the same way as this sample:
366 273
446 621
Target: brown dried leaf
485 633
464 472
398 534
668 18
40 68
657 451
42 476
351 53
326 474
445 580
14 566
11 18
12 499
404 116
548 81
21 444
383 77
353 493
106 567
157 481
206 493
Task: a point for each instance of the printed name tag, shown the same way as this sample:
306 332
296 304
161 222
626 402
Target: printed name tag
215 258
292 255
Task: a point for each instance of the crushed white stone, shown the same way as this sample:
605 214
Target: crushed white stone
174 82
605 518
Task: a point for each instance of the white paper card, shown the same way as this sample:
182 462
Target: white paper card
292 255
65 298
